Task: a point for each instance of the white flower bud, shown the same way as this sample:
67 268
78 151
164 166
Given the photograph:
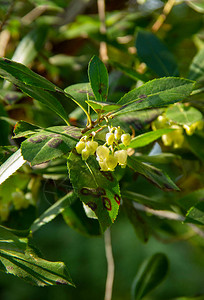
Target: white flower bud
111 162
125 139
91 147
121 156
110 138
85 154
118 133
80 146
103 165
102 152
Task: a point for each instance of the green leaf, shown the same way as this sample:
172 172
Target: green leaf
18 258
101 107
197 5
76 218
53 211
146 138
50 143
191 199
196 71
155 54
11 165
157 176
4 127
6 151
99 190
156 93
81 92
196 214
33 85
128 71
24 129
139 221
195 141
184 115
150 275
98 77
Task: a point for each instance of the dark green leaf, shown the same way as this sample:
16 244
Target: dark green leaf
20 260
139 221
81 92
10 97
101 107
24 129
76 218
182 114
191 199
196 70
196 213
50 143
5 152
98 77
155 54
4 127
150 275
195 141
157 176
98 190
53 211
156 93
33 85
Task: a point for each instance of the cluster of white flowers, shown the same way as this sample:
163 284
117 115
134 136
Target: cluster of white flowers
108 155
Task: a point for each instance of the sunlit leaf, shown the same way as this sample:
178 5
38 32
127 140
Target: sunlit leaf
50 143
98 77
99 190
182 114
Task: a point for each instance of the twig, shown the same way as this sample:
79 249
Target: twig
167 8
164 214
110 265
102 17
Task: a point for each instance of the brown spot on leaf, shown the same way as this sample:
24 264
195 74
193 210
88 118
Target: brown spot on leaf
143 96
168 187
54 143
86 191
117 199
37 139
101 191
92 205
108 175
106 203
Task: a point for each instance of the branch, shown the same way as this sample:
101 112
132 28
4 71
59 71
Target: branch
110 263
164 214
167 8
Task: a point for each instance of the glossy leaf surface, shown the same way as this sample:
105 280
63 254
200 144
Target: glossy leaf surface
99 190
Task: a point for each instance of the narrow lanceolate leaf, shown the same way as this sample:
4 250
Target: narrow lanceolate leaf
146 138
33 85
197 5
53 211
102 107
151 273
182 114
50 143
195 141
155 54
98 190
196 70
98 77
157 176
156 93
18 258
11 165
